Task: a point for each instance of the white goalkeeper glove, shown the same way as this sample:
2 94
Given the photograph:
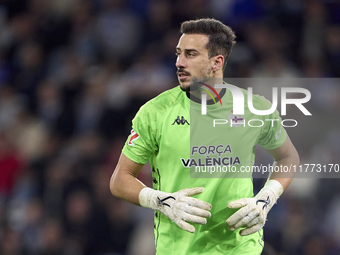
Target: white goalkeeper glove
253 213
178 207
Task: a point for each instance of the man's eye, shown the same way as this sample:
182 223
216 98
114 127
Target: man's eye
191 55
177 54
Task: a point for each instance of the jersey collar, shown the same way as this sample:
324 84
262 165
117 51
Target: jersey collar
209 102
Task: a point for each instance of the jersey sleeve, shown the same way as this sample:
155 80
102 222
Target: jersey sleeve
141 144
273 135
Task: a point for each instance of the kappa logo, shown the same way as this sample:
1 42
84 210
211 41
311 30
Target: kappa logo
134 136
180 121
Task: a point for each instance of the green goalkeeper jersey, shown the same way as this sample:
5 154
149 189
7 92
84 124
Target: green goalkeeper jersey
170 132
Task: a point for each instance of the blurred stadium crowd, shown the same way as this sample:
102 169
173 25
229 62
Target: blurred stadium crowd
74 72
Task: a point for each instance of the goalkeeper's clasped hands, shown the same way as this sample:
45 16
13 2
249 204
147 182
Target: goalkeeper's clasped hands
181 208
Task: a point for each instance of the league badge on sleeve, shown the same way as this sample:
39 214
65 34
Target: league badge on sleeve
134 136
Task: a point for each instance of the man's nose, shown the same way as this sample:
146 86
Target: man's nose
180 62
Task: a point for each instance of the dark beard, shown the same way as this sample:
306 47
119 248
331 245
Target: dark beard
195 84
186 89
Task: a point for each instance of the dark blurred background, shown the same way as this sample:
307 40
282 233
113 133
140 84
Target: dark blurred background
73 73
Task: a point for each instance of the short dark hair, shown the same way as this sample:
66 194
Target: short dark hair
221 37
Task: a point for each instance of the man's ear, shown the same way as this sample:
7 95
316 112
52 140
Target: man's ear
218 62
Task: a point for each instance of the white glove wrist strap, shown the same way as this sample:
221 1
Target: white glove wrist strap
275 187
269 194
145 196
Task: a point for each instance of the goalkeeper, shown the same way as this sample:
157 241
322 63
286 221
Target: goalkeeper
201 215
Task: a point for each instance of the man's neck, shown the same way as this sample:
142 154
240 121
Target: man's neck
205 86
